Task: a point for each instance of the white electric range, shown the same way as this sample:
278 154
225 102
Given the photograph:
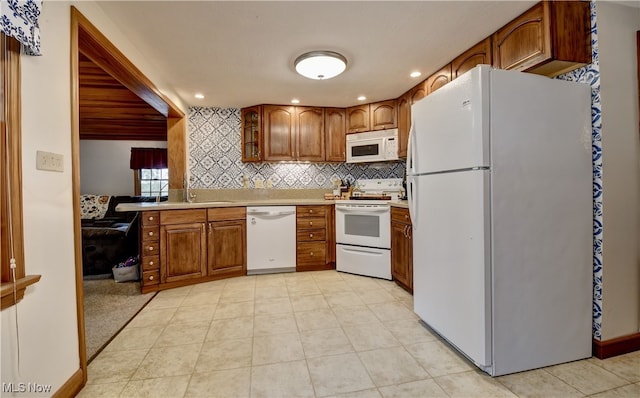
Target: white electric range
363 228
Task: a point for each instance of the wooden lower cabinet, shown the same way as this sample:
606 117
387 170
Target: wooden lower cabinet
227 242
183 245
315 245
401 248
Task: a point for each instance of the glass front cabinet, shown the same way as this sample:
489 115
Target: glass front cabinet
251 134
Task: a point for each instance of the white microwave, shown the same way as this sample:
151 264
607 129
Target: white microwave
372 146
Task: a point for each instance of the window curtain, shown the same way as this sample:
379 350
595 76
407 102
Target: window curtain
148 158
20 20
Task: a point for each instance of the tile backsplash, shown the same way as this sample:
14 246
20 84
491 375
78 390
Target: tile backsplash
215 159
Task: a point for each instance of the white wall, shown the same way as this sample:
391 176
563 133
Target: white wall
47 315
617 26
104 165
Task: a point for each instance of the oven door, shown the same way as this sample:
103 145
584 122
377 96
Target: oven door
366 150
363 225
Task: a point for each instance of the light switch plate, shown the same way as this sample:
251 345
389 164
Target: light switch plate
49 161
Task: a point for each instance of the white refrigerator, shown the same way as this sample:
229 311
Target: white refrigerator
499 178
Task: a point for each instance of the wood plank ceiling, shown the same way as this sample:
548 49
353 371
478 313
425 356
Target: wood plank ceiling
110 111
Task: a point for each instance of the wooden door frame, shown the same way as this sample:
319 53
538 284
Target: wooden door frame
86 38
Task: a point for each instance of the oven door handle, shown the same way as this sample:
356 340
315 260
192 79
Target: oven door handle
361 210
362 251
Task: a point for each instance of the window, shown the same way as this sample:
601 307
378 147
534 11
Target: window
152 182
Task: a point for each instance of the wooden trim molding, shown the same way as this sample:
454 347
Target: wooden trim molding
71 387
618 346
638 70
8 298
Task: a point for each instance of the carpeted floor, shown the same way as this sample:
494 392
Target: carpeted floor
108 307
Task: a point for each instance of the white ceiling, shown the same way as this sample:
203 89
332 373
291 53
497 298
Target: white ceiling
241 53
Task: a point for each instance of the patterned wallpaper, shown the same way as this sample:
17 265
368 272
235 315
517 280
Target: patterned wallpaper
215 159
591 74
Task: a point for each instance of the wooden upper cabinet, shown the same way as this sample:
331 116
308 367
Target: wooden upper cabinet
438 79
383 115
335 129
251 130
404 122
418 92
481 53
548 39
358 119
310 134
279 127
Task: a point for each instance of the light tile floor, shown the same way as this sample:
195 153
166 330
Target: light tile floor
314 334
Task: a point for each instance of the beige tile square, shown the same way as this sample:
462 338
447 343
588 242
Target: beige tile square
628 391
224 354
374 296
234 293
176 291
316 319
193 314
267 292
356 315
168 361
392 311
212 286
329 287
368 393
201 298
135 338
438 359
538 383
366 337
274 324
243 282
183 333
165 302
327 276
303 288
343 299
277 348
234 310
337 374
420 388
111 367
626 366
220 384
232 328
269 306
586 377
108 390
152 317
409 331
399 293
362 283
168 387
287 379
472 384
270 280
391 366
307 303
323 342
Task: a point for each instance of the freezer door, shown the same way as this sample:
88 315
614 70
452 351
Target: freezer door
451 259
450 128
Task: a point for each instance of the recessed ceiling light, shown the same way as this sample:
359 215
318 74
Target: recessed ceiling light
362 98
199 96
415 74
320 65
295 101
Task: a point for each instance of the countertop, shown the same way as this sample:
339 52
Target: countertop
150 206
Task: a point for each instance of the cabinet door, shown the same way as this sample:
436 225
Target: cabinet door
401 255
438 79
182 252
418 92
227 247
383 115
335 126
251 119
310 138
476 55
358 119
404 123
279 132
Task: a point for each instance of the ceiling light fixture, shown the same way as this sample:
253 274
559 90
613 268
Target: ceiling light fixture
199 96
362 98
320 65
295 101
415 74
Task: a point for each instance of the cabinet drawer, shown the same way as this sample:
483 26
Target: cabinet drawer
400 215
227 213
150 248
150 233
150 218
310 211
311 253
315 234
150 263
150 278
183 216
311 222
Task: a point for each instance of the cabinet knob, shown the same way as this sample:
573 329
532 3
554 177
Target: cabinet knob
150 248
150 262
151 277
311 211
311 235
311 254
310 223
150 218
150 233
406 216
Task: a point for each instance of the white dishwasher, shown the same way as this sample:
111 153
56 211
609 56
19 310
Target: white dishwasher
271 239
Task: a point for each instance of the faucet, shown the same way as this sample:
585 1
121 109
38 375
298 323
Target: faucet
188 196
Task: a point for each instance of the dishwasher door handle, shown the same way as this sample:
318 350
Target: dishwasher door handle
271 213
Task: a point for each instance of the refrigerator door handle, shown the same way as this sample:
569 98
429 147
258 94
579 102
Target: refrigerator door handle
410 146
413 207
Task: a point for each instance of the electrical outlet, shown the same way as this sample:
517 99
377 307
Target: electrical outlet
49 161
259 183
